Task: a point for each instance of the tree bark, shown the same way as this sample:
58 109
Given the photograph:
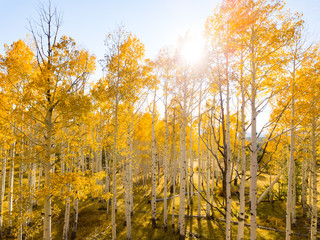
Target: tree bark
199 155
314 215
174 169
289 206
66 224
165 190
114 169
2 190
304 188
153 168
75 218
11 182
242 200
228 166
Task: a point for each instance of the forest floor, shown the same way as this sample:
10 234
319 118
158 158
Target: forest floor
95 224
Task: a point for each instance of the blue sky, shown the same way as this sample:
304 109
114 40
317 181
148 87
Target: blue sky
156 22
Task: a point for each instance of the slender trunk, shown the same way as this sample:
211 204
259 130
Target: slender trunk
49 157
253 181
153 168
213 169
2 190
199 156
47 205
66 224
228 167
214 175
304 188
237 165
183 166
114 176
243 163
11 182
187 182
20 230
291 168
314 215
127 186
191 160
107 186
310 186
254 162
130 168
294 196
174 167
31 186
208 179
39 179
75 218
264 194
165 190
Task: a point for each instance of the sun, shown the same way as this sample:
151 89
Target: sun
192 50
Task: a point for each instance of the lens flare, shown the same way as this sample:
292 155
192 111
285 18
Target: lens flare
193 48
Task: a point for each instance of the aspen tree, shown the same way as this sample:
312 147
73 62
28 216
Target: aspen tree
296 52
164 64
59 90
261 49
113 61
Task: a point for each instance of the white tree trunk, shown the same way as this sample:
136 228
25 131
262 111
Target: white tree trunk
199 156
66 224
240 235
254 161
214 169
11 182
228 168
21 222
208 173
2 190
130 169
165 190
291 170
174 169
47 205
114 176
314 215
75 218
294 197
264 194
153 168
183 165
304 188
107 186
127 186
